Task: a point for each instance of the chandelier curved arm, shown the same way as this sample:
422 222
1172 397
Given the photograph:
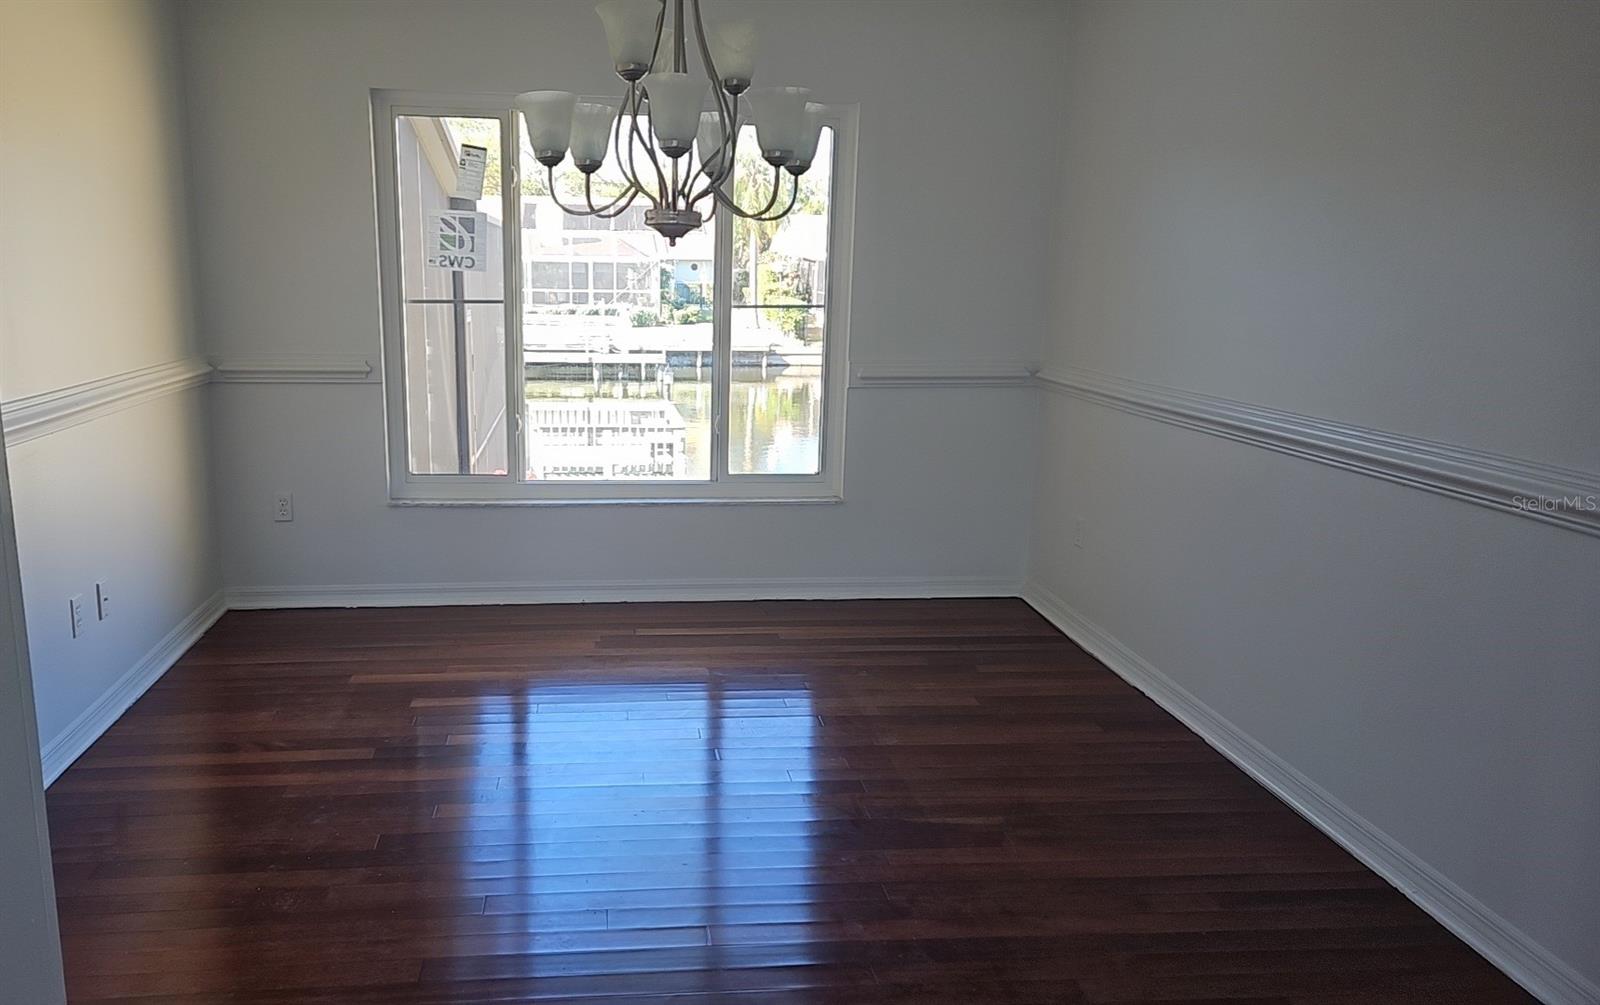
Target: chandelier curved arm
728 111
713 180
637 139
606 212
794 195
622 162
727 106
603 212
764 214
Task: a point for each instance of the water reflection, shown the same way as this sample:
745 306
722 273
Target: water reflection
657 816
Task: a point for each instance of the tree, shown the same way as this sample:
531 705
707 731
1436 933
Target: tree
752 188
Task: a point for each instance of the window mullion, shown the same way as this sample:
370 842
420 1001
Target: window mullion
722 342
511 252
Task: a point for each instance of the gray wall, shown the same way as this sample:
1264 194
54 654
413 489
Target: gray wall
936 492
1386 214
30 949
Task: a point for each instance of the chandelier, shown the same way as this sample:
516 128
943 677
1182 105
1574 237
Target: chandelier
661 121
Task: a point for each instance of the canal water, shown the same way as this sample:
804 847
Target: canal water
774 424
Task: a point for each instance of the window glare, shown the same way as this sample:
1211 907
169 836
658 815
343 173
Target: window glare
780 275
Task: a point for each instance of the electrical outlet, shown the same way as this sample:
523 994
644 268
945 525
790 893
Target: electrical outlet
283 507
102 600
76 600
1077 533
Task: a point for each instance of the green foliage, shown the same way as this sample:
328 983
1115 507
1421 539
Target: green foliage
792 321
752 189
783 287
692 314
583 310
687 314
774 283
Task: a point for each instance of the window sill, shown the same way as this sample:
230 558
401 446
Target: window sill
636 501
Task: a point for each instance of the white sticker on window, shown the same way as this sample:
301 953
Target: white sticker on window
458 240
469 172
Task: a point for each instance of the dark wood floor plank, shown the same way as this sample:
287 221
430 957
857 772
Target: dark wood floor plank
852 802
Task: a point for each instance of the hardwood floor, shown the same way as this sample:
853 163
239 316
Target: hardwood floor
874 801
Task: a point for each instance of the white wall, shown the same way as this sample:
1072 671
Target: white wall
95 255
1384 214
284 201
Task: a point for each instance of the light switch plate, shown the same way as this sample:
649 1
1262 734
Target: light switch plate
76 601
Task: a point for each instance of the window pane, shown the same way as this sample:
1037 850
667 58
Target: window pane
782 261
618 388
427 162
637 276
779 331
451 251
434 336
775 412
549 275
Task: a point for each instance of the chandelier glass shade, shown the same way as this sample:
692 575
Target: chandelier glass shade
669 149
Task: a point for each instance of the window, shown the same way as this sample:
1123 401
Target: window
573 359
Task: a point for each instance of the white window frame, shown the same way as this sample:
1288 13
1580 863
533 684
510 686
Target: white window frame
409 489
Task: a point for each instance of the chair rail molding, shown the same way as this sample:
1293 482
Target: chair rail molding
34 415
294 369
933 373
1564 497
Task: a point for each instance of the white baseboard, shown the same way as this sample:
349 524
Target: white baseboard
1508 948
70 743
450 594
1501 943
